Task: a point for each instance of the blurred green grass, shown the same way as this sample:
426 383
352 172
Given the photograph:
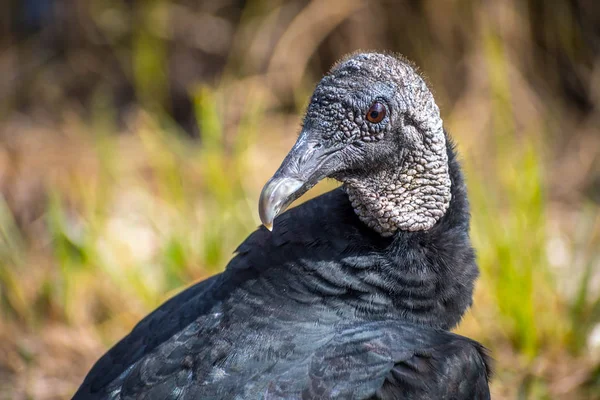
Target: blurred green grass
130 219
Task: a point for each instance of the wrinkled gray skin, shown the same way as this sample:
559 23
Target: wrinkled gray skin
396 171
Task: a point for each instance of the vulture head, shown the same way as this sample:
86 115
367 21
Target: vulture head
372 124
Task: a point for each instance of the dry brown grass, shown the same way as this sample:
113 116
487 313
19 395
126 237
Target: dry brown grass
98 228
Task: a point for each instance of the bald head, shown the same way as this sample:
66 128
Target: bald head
373 124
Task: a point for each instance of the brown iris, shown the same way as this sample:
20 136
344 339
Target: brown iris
376 113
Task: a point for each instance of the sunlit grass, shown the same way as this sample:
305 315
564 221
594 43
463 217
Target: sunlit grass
156 211
143 228
146 227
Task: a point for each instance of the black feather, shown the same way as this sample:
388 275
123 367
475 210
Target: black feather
323 307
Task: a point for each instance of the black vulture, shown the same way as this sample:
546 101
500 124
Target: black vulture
352 295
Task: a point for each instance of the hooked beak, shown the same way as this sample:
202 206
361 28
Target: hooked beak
304 166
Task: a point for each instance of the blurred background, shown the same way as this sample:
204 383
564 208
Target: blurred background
135 137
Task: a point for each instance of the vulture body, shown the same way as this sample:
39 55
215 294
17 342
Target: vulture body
336 302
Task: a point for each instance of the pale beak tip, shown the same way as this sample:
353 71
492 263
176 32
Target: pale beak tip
277 194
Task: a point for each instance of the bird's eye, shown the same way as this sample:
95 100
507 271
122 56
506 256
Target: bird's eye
376 113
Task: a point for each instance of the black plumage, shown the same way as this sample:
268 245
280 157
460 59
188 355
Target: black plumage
322 307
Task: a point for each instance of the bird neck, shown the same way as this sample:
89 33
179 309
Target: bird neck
423 277
414 196
429 275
